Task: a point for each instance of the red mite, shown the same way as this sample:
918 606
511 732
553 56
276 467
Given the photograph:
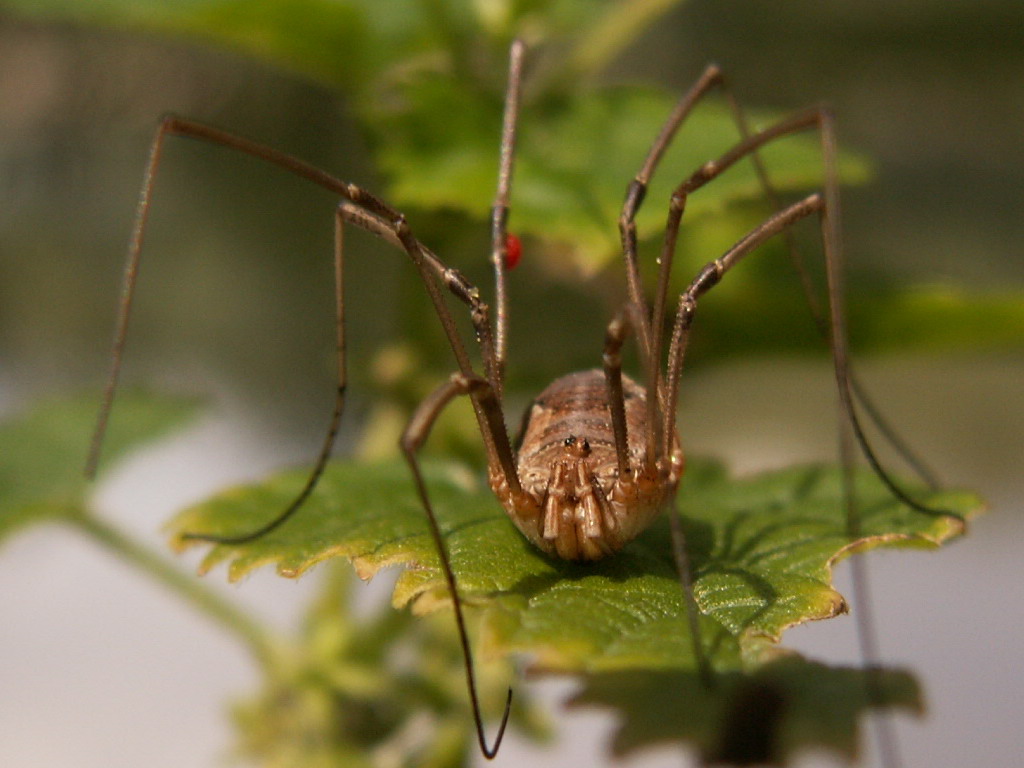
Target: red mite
513 251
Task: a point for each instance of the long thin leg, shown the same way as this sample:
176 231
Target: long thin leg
711 274
615 337
650 330
358 206
811 118
637 191
705 280
415 435
826 204
796 258
339 402
713 77
681 554
499 211
626 321
867 637
677 206
131 274
491 420
650 334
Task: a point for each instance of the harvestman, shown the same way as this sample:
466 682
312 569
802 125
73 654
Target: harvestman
600 454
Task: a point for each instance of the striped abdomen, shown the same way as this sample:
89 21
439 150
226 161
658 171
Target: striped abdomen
575 502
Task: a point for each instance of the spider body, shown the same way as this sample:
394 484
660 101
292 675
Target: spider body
575 502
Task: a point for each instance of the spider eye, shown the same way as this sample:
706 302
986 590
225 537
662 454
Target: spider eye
570 440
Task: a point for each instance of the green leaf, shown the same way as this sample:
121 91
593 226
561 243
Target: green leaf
308 36
939 317
349 42
44 449
767 717
762 549
426 79
345 43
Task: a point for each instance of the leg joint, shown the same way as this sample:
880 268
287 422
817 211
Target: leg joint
170 123
707 279
401 224
713 73
635 194
616 332
687 309
462 288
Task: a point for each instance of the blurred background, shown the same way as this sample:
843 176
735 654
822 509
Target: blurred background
101 668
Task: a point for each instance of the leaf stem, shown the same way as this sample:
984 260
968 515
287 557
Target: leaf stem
244 627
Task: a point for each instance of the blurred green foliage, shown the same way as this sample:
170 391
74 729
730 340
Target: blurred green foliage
43 453
425 80
370 690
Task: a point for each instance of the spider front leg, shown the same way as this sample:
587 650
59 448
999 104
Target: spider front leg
649 334
748 147
413 438
779 222
636 192
649 327
821 120
711 78
712 273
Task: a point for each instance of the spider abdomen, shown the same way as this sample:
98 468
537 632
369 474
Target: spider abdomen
576 504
